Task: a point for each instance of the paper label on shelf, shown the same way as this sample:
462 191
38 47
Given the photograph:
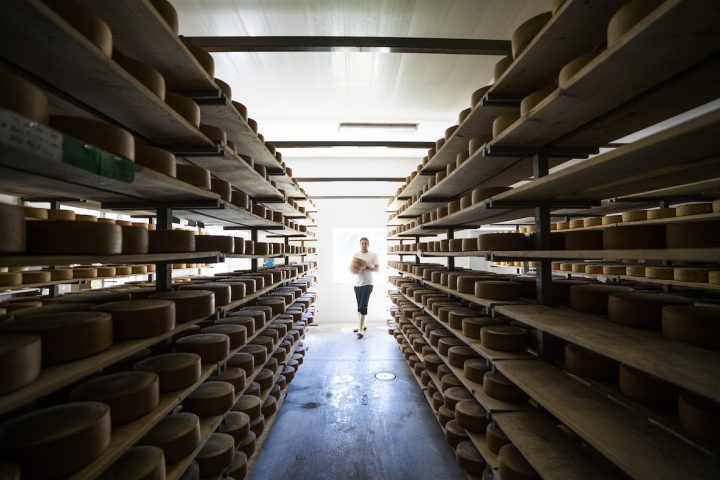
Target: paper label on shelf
17 132
602 278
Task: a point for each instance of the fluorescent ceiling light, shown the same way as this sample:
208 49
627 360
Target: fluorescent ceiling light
390 127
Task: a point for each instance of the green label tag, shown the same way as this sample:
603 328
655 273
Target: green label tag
80 154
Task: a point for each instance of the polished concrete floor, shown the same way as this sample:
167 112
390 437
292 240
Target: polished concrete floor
339 422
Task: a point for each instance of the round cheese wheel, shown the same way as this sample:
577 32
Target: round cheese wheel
502 241
102 135
9 279
641 310
504 338
627 17
233 375
258 425
531 101
613 270
222 188
66 437
469 457
79 272
23 98
495 437
265 378
32 212
216 455
269 406
171 241
497 290
211 347
60 237
259 353
145 74
437 401
123 270
106 271
243 360
688 235
214 243
634 216
593 298
204 58
471 416
588 364
210 398
459 354
58 214
577 223
524 34
35 276
635 270
247 445
184 107
500 388
445 415
659 213
129 395
236 424
248 404
194 175
456 316
445 343
65 336
503 122
454 434
236 333
584 240
592 222
174 370
140 318
432 362
660 273
500 67
478 95
135 240
695 275
646 389
713 278
514 466
85 22
594 269
578 268
138 463
20 360
571 68
697 325
13 238
177 435
449 381
466 283
215 134
700 416
611 219
472 326
156 159
632 237
169 16
469 244
454 395
190 305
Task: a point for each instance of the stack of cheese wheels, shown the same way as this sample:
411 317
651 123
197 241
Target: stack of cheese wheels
700 416
140 318
190 305
65 336
642 310
60 237
500 388
513 464
646 389
65 438
694 324
357 264
210 398
504 338
588 364
20 360
129 395
143 462
592 298
174 370
177 435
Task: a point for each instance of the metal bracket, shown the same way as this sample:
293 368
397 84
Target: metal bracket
207 97
510 204
197 151
548 152
177 205
495 100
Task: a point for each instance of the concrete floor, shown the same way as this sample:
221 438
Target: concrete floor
340 422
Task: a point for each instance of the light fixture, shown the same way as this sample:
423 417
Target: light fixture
389 127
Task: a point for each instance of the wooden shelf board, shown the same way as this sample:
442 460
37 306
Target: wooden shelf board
404 254
42 260
619 434
678 363
415 185
651 281
669 254
704 217
552 453
472 298
233 169
67 282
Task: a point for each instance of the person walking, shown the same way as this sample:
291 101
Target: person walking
364 280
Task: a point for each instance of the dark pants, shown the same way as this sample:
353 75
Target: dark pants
363 297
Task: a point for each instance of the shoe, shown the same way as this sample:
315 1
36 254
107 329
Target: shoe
364 330
360 335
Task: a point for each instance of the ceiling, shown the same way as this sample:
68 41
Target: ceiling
303 96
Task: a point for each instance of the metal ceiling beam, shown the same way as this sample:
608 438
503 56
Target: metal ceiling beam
349 179
452 46
344 197
351 143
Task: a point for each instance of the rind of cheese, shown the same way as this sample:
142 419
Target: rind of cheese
22 97
104 136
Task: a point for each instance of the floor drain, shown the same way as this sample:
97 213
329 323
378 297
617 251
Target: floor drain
385 376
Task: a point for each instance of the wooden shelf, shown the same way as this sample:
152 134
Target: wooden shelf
10 289
621 435
231 168
552 453
414 186
704 217
42 260
678 363
648 281
670 254
404 254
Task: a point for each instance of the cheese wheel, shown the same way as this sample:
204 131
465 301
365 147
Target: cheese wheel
500 388
194 175
713 277
60 237
641 310
688 235
143 73
210 398
109 271
660 273
269 406
236 333
215 134
495 437
632 237
204 59
452 396
258 352
61 274
216 455
247 445
634 216
65 336
584 240
571 68
135 240
611 219
35 276
504 338
123 270
694 324
497 290
594 269
514 466
171 241
66 437
531 101
104 136
454 434
635 270
478 95
437 401
174 370
184 107
23 98
169 16
79 272
500 67
700 416
265 378
627 17
588 364
592 222
138 463
524 34
614 270
258 425
578 268
32 212
472 326
155 159
469 244
449 381
129 395
445 343
243 360
93 297
503 122
13 238
190 305
9 279
20 360
475 143
646 389
593 298
445 415
233 375
469 457
211 347
466 283
659 213
249 404
459 354
577 223
215 243
85 22
140 318
59 214
502 241
471 416
236 424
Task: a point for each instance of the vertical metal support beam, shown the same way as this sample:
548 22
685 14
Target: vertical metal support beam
287 247
544 267
254 261
163 270
451 260
417 255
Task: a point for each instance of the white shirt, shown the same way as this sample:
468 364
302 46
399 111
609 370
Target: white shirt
365 277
